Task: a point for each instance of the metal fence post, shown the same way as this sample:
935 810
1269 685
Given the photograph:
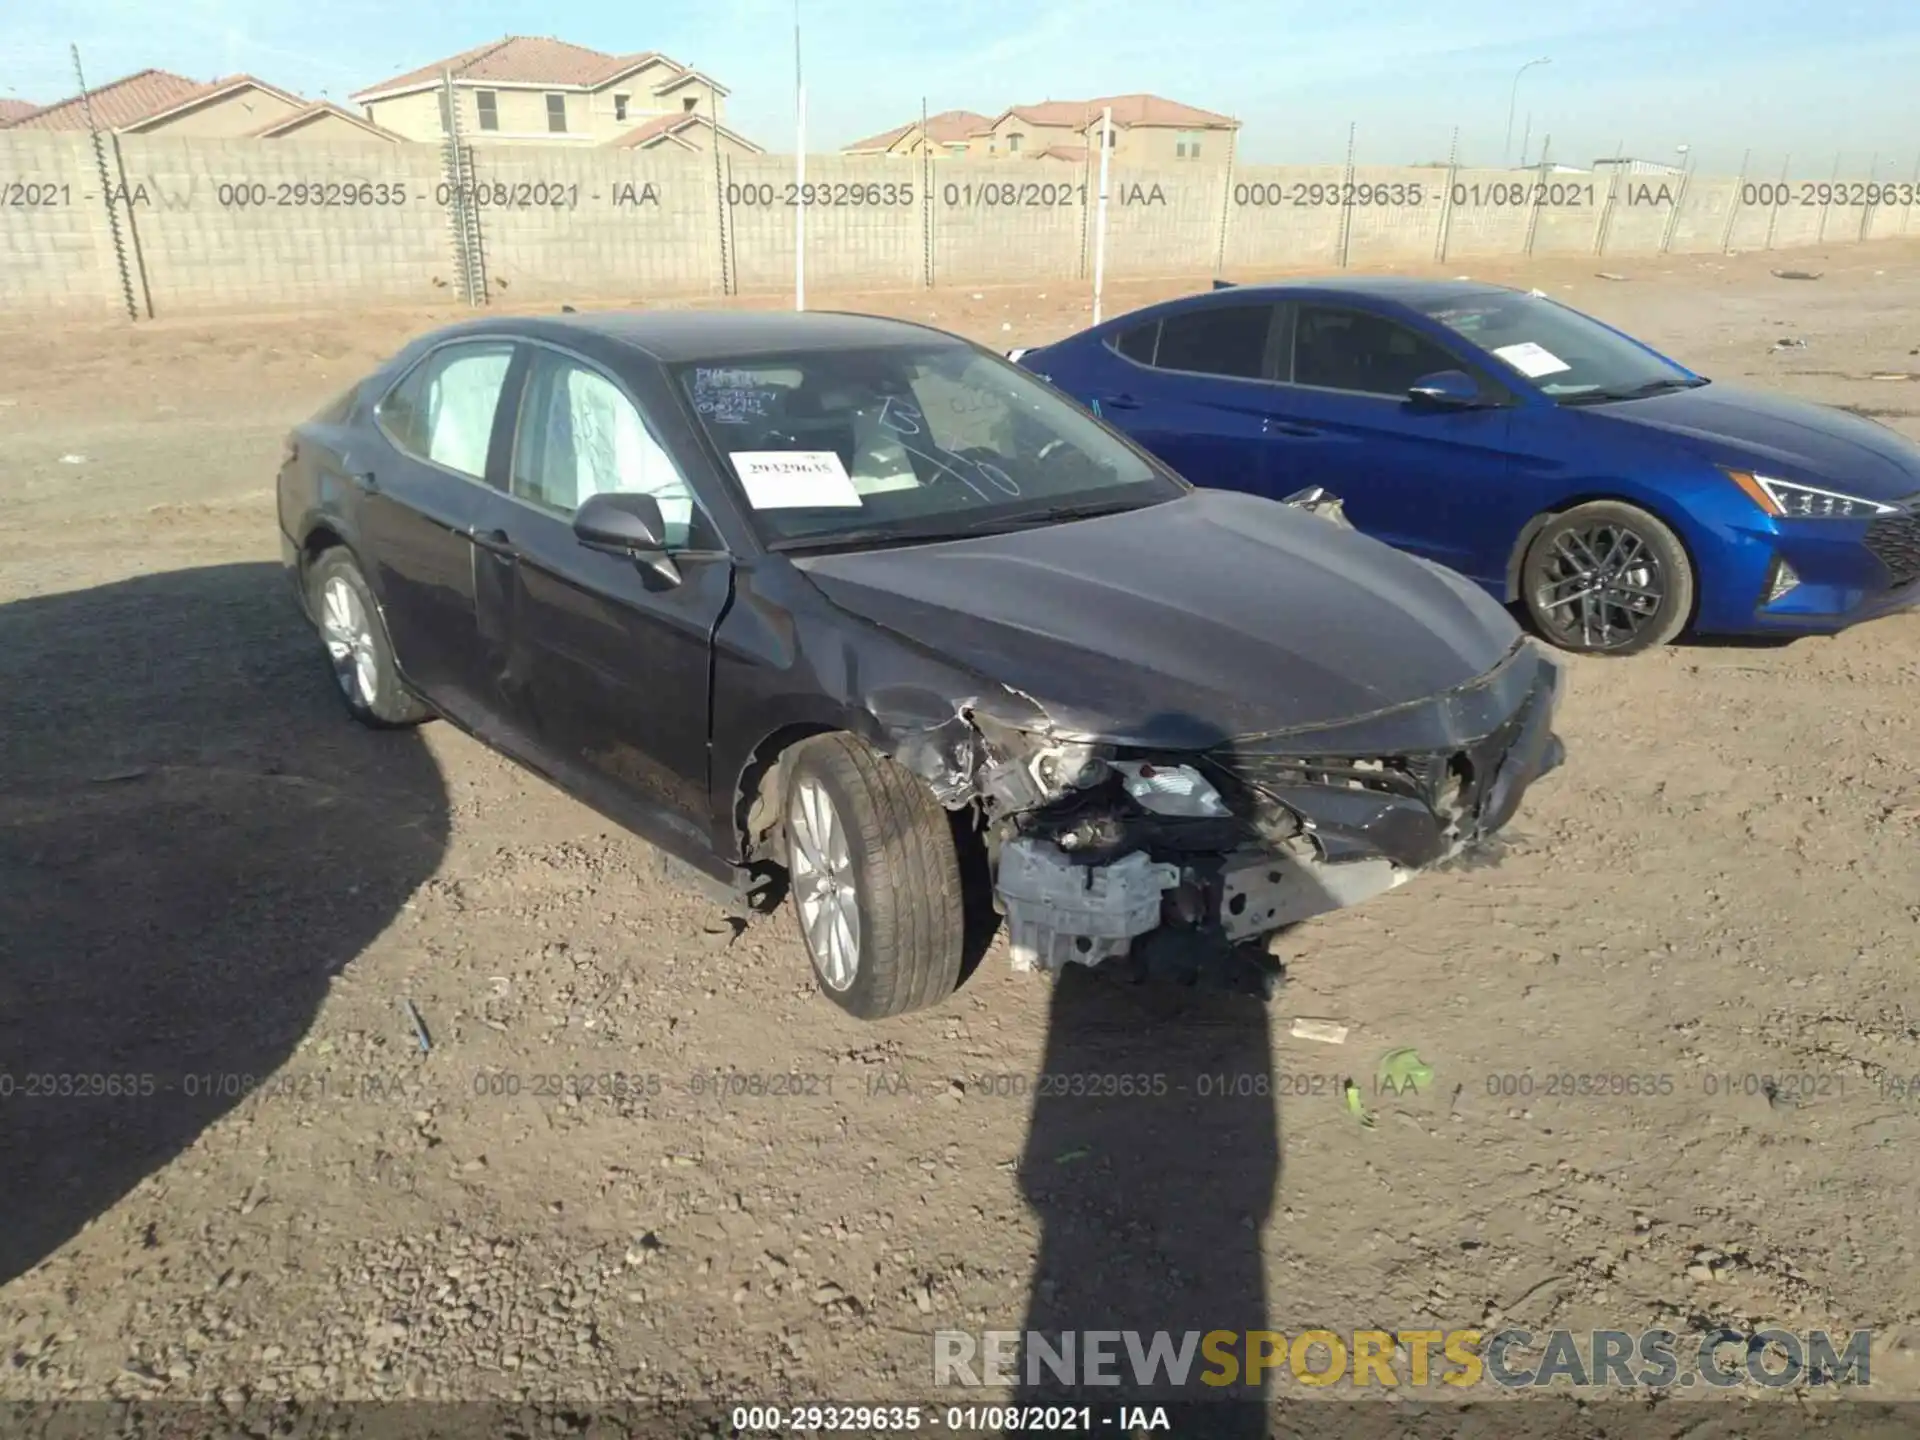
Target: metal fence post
463 210
1733 206
926 199
1673 214
120 253
1226 204
1605 223
1873 182
1826 206
1346 195
1446 199
721 217
1773 211
1539 194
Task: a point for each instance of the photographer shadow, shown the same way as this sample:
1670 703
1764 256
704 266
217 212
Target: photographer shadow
1153 1177
194 840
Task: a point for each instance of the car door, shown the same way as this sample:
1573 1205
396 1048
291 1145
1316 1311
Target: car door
609 671
1434 481
1193 387
427 502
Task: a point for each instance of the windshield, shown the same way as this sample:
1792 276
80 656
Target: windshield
1564 353
902 443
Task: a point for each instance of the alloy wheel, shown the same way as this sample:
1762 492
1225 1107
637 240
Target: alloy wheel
347 630
1599 586
823 884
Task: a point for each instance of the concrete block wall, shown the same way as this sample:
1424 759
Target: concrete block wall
622 223
236 224
863 218
1012 220
225 224
56 251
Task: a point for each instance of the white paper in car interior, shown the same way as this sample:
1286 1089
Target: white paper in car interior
1532 360
795 479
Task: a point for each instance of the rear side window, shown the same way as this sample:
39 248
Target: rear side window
1138 344
1217 340
443 410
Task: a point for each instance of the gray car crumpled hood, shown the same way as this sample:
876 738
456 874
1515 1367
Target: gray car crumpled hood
1180 625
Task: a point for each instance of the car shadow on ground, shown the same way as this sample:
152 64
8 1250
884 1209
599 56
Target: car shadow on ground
1152 1160
194 840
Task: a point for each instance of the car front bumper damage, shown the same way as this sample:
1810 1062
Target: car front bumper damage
1099 852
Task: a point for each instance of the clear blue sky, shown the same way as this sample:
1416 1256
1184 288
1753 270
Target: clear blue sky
1773 76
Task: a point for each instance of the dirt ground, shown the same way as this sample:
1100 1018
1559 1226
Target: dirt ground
210 878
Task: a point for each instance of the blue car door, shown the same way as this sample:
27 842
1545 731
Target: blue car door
1193 387
1439 482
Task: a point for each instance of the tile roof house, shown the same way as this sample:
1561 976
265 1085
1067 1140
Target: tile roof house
531 89
945 134
12 110
1147 130
149 102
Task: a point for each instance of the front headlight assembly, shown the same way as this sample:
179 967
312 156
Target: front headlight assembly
1794 501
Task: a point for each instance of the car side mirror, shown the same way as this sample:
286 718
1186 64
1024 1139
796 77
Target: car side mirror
1446 389
630 524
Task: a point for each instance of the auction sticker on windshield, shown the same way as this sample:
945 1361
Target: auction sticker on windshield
795 480
1532 360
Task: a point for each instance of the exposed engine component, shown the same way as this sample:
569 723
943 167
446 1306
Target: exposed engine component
1171 789
1059 912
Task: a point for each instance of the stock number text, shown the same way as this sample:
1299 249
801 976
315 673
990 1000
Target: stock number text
1305 193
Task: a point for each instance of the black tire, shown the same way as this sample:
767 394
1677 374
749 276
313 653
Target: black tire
1645 581
387 703
905 871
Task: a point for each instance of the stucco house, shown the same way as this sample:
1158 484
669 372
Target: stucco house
154 102
536 90
1147 130
945 134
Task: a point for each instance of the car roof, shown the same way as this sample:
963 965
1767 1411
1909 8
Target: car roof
676 336
1404 289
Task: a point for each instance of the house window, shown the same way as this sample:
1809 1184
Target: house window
1013 144
557 114
690 104
487 103
1186 145
620 106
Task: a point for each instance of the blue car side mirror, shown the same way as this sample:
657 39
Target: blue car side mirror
1452 389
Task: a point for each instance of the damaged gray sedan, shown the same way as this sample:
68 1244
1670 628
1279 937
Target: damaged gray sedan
854 611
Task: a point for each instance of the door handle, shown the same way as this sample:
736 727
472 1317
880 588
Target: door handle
1120 402
365 480
494 542
1283 427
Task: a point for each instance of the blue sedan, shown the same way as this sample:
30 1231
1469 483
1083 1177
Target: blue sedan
1552 459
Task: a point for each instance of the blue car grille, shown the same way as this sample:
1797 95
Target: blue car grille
1894 541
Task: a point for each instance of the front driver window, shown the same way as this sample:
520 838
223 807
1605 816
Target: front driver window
1357 351
579 436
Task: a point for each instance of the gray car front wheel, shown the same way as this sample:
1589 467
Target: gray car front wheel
874 878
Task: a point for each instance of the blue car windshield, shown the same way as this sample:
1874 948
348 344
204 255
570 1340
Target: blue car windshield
1559 351
908 443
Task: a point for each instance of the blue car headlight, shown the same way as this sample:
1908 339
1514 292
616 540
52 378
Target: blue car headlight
1794 501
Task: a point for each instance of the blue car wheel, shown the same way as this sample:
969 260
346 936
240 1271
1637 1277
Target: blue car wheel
1607 578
